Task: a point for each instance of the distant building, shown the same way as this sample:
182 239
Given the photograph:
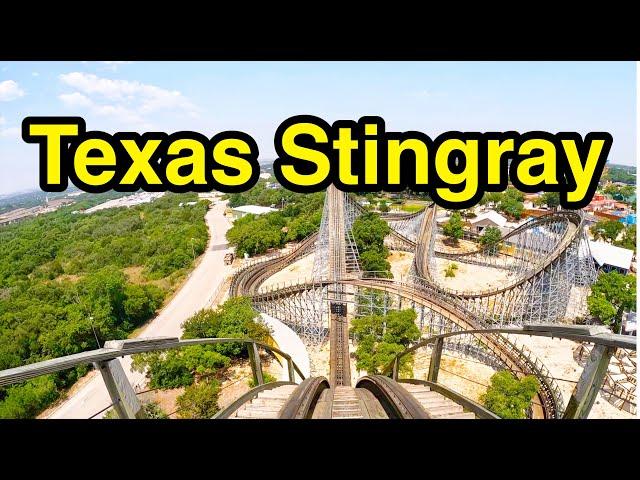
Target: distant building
239 212
629 323
265 175
59 202
487 219
611 258
629 219
600 203
273 185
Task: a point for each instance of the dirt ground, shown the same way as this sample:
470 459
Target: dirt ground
319 359
470 277
400 263
299 270
464 376
462 246
557 355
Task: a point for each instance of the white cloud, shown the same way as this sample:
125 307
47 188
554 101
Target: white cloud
10 90
119 112
149 98
35 74
125 101
75 99
114 65
2 121
11 132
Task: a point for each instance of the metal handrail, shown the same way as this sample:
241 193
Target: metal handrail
576 333
247 397
128 347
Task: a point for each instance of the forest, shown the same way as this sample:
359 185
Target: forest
68 278
299 216
200 369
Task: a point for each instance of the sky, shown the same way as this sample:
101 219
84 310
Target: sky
255 97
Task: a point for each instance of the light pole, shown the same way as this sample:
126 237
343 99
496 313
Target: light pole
94 330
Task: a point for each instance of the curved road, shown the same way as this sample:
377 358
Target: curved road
195 294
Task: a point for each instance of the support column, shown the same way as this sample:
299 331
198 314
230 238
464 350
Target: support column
590 382
436 355
291 370
123 397
256 364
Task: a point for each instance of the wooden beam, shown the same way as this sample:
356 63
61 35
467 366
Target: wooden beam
590 382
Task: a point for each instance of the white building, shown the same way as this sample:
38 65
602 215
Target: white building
488 219
629 323
609 257
239 212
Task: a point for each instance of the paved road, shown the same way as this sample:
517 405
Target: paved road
194 295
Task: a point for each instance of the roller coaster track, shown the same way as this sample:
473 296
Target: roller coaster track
514 357
561 232
545 271
378 396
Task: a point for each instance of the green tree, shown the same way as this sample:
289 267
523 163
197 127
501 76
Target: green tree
509 397
382 206
453 227
627 191
628 239
369 231
610 189
550 199
450 271
199 401
511 206
64 275
28 399
373 261
153 411
514 194
299 218
491 240
607 230
491 198
610 296
235 318
381 337
176 368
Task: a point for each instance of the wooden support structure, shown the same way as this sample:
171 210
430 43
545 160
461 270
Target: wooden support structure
590 382
123 397
291 370
256 364
436 355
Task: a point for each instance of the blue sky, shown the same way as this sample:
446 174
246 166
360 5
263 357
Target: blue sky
255 97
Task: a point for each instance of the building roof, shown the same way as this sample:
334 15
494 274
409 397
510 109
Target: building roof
492 216
254 209
605 253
